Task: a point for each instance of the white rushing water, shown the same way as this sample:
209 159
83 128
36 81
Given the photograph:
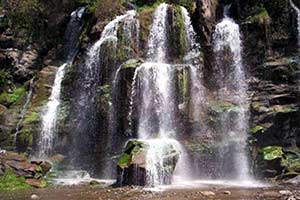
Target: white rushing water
157 104
154 85
108 34
95 66
233 88
159 156
191 58
23 111
50 111
49 117
298 19
157 43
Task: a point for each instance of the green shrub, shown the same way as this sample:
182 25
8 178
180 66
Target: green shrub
11 98
31 118
10 182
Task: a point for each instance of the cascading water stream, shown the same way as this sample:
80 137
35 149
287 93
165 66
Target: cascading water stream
156 112
23 111
50 113
86 118
231 80
298 19
195 68
154 85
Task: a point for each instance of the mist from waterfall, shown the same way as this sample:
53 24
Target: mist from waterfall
232 83
50 112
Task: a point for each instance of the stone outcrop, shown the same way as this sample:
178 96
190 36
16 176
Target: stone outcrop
32 171
133 167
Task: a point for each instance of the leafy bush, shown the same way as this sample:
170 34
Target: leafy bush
32 118
10 182
10 98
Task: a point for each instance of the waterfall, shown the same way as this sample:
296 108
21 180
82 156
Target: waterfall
100 62
157 42
153 84
154 78
298 19
23 111
231 80
50 112
49 117
191 58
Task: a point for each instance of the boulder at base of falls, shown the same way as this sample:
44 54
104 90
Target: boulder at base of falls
18 164
133 166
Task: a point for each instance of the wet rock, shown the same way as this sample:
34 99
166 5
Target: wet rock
94 182
208 193
33 171
273 194
292 198
132 169
227 192
295 180
57 158
206 10
38 183
23 63
132 63
34 196
285 192
46 166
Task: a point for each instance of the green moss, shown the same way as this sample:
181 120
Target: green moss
124 160
177 40
282 109
272 152
180 24
13 97
10 182
133 148
200 146
32 118
145 18
105 91
260 17
25 138
257 129
183 84
221 107
132 63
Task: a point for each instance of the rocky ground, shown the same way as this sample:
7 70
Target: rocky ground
99 192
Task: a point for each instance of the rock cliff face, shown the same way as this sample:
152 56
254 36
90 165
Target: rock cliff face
270 52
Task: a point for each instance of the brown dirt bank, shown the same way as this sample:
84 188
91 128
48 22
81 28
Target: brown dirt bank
131 193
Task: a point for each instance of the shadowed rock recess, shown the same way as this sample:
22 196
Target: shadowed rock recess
150 93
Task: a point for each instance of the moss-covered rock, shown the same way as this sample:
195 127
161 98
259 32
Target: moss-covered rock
132 63
272 152
176 34
133 166
17 172
261 16
10 98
